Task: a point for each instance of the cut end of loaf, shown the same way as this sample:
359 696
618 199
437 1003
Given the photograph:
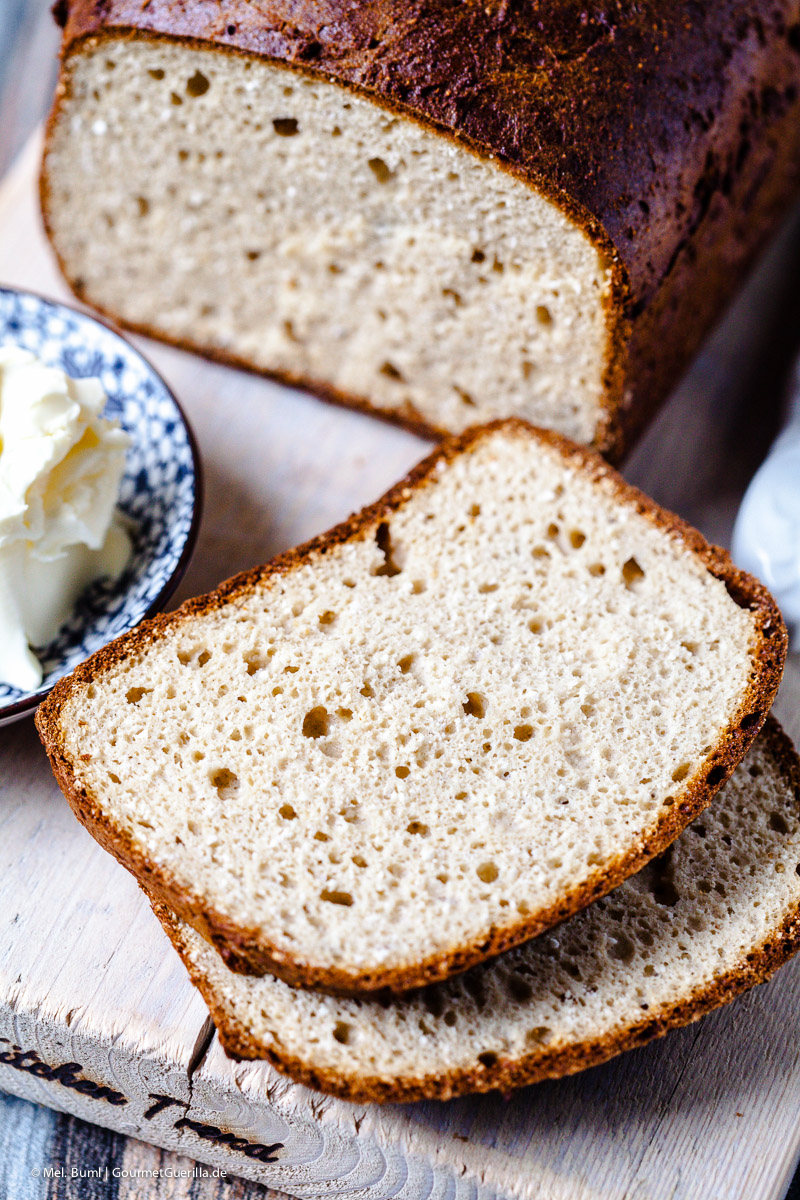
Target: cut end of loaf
716 914
294 226
434 732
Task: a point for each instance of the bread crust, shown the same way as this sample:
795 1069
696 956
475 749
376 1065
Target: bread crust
757 966
671 139
246 949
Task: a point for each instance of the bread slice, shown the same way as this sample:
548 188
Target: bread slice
431 733
444 213
718 912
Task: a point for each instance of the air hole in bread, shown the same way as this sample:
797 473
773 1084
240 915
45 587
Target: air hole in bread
327 618
478 256
552 531
543 315
198 84
380 170
359 860
681 772
597 569
523 733
473 985
341 1032
142 206
391 372
434 1001
488 1059
367 691
465 396
384 539
486 589
715 776
405 663
487 872
254 661
576 539
285 126
750 721
658 876
156 73
519 989
778 823
535 625
402 772
319 836
621 947
632 573
418 827
332 897
134 694
418 587
114 778
537 1035
225 781
316 722
475 705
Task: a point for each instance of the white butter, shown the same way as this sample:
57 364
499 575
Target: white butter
61 465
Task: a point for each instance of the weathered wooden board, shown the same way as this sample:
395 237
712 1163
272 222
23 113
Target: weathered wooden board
87 978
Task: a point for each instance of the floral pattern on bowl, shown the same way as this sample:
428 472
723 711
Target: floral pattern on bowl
160 491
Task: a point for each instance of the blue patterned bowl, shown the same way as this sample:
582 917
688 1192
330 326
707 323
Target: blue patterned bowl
160 491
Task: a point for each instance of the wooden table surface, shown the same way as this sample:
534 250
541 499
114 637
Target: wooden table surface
34 1138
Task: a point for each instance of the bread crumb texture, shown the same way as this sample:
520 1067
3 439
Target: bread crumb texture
665 946
290 223
442 726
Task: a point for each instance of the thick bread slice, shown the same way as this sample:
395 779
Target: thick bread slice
717 913
442 212
433 732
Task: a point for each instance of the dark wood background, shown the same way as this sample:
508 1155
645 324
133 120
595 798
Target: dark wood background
34 1138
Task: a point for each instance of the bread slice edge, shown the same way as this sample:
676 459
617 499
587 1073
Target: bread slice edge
246 950
610 436
757 966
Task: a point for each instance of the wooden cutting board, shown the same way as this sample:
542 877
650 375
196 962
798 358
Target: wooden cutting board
97 1016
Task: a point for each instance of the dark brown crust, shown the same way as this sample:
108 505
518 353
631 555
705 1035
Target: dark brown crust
756 967
669 134
246 950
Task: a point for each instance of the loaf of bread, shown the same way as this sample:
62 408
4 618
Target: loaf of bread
432 733
439 211
717 913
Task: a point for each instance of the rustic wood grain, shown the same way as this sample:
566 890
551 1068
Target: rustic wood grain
85 971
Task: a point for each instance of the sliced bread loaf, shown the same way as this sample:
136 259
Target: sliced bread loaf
718 912
443 212
433 732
